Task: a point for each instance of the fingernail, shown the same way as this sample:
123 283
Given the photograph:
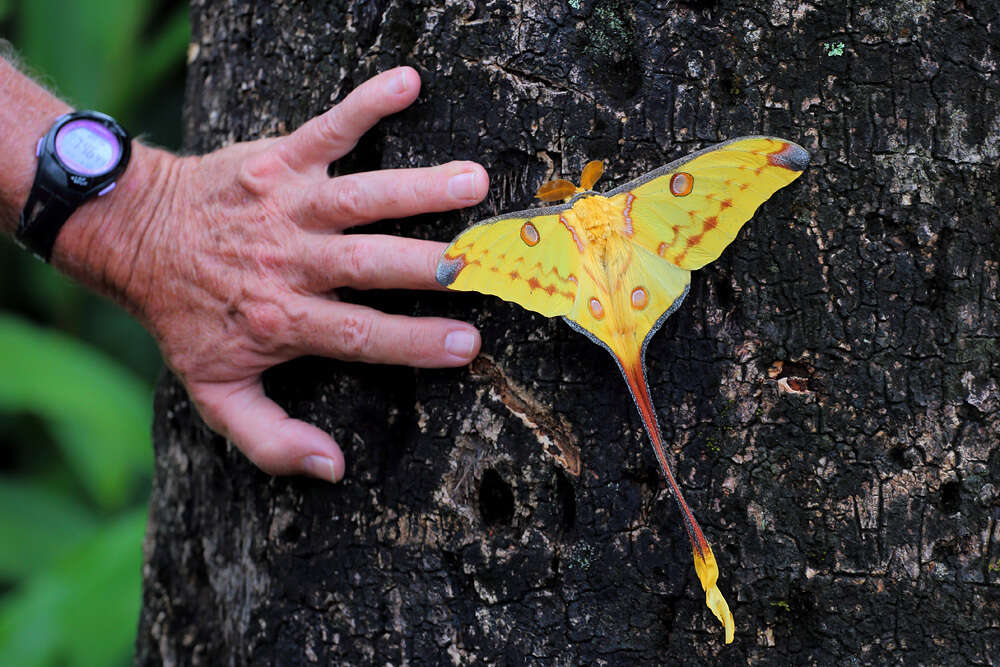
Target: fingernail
462 186
398 84
320 467
460 343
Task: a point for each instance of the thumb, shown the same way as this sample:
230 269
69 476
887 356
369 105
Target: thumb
263 431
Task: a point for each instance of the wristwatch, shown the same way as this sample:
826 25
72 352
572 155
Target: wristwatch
80 157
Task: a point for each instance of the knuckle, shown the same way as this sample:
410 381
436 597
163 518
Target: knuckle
256 173
330 129
356 263
355 336
348 199
415 197
266 322
268 258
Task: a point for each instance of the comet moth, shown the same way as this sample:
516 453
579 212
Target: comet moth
616 264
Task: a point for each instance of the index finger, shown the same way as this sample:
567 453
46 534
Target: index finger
332 135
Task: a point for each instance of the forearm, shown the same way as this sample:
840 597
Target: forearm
99 242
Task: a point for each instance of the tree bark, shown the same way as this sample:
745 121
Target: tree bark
830 384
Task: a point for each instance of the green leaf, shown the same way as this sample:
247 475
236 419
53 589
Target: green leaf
166 52
109 64
37 290
37 526
99 412
84 610
93 65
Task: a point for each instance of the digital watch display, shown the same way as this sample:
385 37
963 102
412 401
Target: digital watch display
87 147
80 157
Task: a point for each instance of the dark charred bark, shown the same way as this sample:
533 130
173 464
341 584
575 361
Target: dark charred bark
830 385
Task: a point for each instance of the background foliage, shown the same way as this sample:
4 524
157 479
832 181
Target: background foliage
76 373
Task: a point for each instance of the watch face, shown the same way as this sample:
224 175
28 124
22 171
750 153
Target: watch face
87 147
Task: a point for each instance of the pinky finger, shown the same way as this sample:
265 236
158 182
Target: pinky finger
263 431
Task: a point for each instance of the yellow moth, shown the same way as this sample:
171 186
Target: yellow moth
615 265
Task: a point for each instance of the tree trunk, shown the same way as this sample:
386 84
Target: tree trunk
829 386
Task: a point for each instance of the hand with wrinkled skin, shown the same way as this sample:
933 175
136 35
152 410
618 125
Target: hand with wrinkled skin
231 260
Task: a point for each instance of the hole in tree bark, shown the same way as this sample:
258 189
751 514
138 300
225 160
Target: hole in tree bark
898 456
496 499
951 497
725 293
291 534
970 412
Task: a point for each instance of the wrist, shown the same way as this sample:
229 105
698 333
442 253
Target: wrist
109 242
27 111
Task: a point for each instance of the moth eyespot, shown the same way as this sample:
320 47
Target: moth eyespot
661 250
529 234
681 184
596 309
640 297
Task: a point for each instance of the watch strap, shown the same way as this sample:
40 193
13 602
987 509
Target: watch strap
43 217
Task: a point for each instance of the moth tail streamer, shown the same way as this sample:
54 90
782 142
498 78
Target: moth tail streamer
708 573
704 560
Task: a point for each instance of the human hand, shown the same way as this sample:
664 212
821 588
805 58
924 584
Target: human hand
232 258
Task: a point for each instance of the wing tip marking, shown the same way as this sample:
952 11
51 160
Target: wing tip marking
448 269
790 156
